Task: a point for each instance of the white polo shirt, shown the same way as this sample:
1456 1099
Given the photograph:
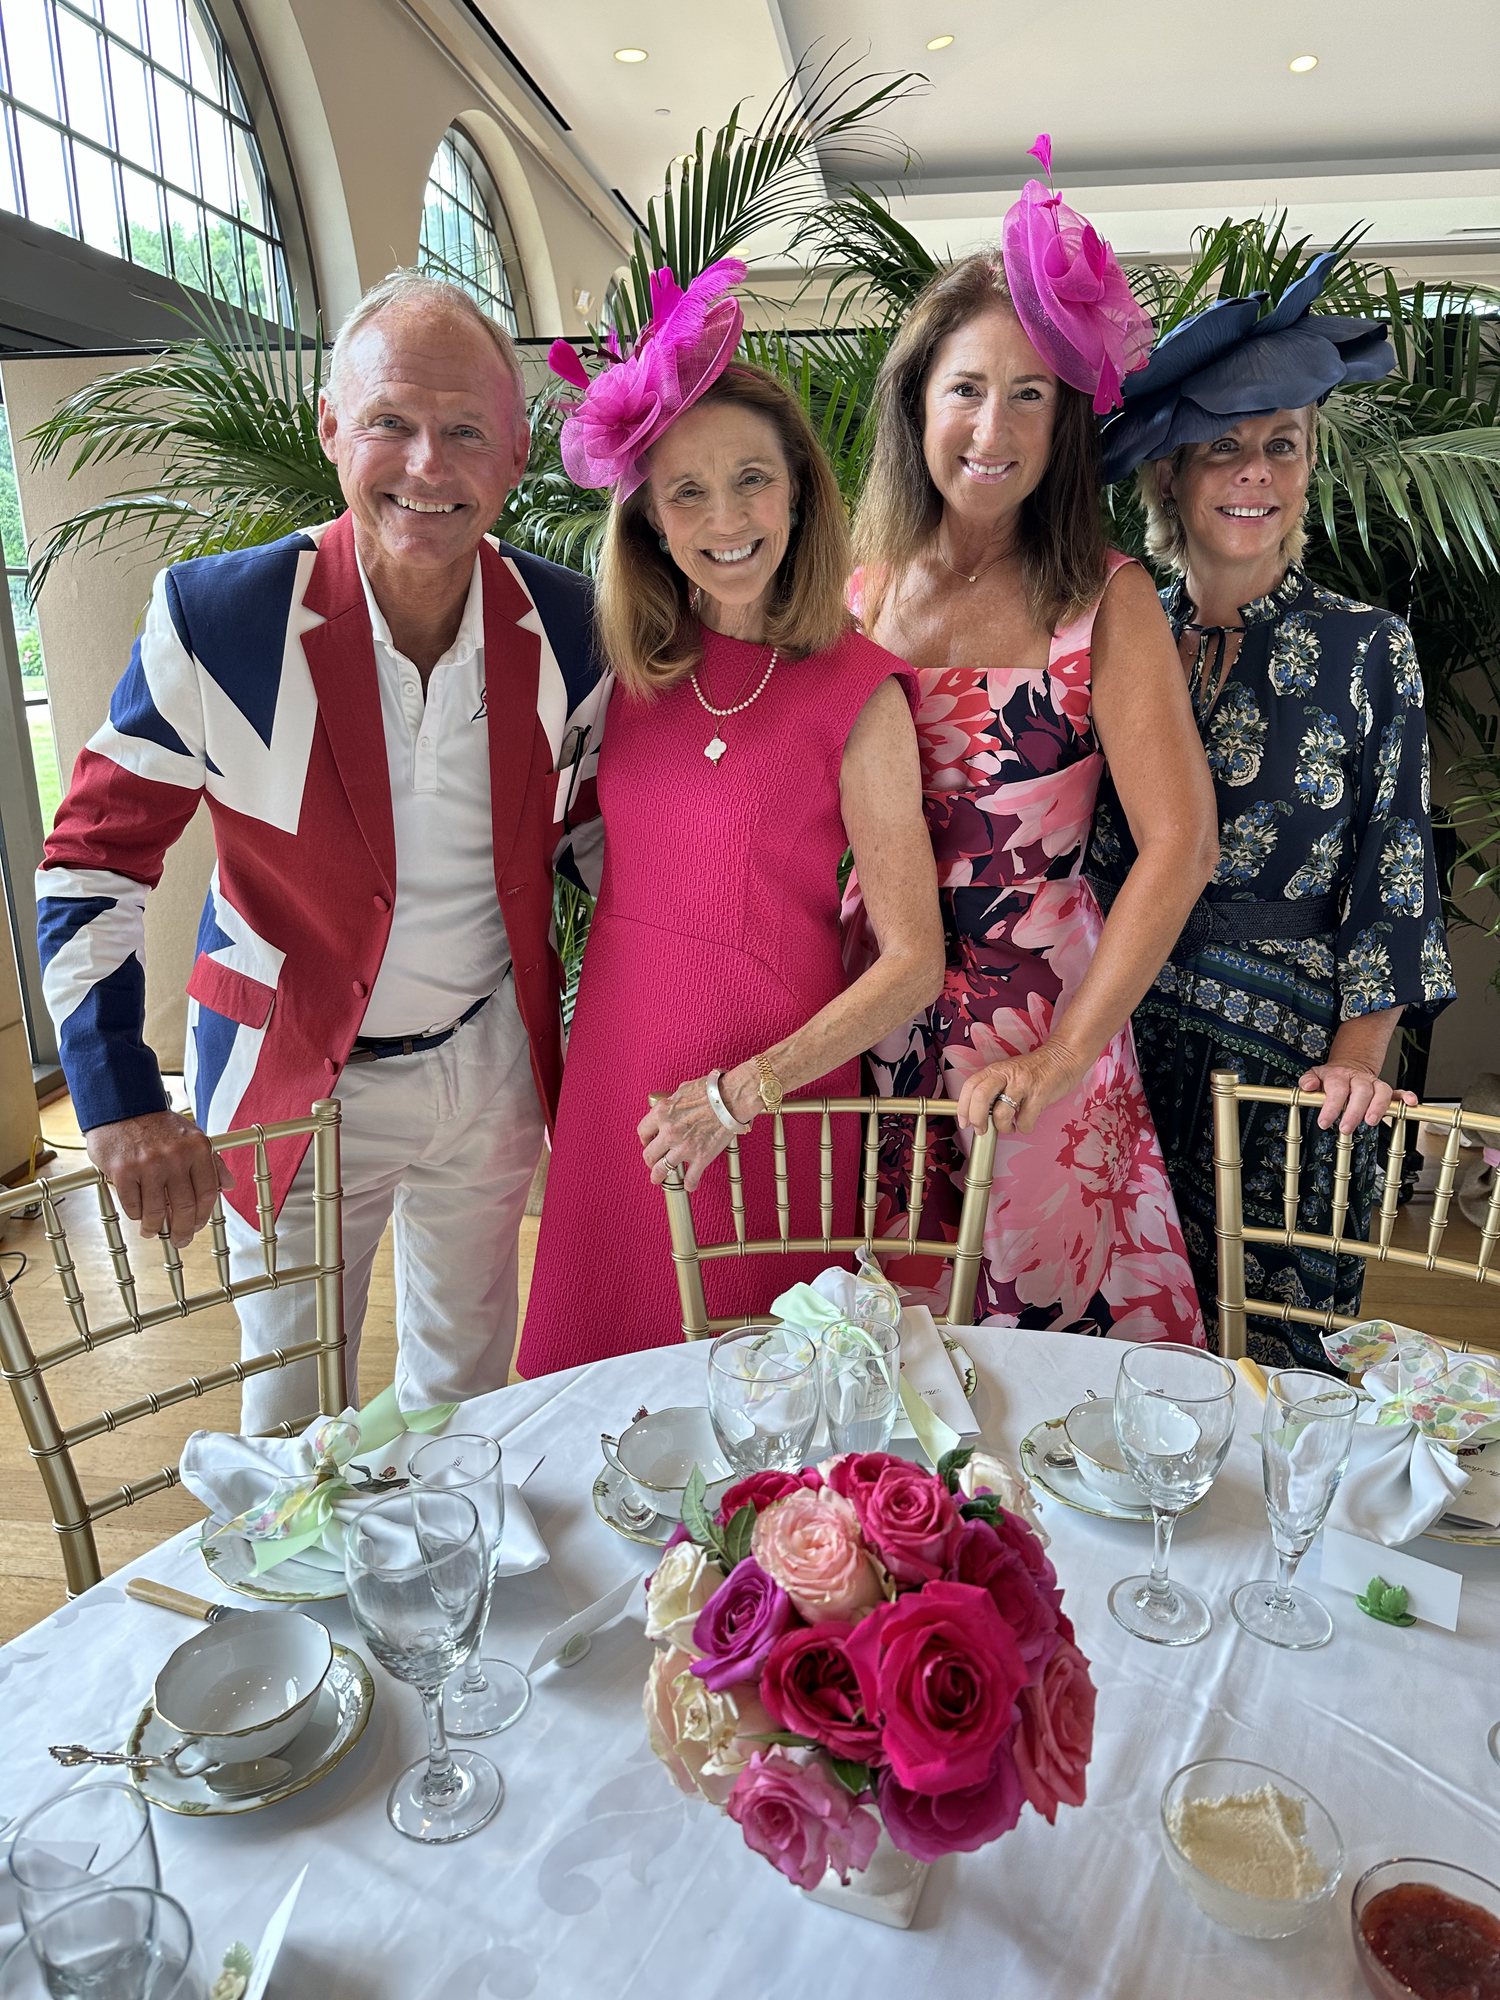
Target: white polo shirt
447 946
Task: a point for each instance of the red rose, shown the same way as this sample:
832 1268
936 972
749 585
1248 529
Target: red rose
761 1488
808 1684
940 1672
954 1822
853 1473
984 1559
1057 1733
1018 1535
910 1520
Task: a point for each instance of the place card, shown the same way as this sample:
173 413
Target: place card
1432 1592
927 1370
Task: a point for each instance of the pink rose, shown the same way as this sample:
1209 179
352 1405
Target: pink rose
852 1473
798 1815
1056 1733
927 1826
810 1544
940 1672
808 1684
911 1521
761 1488
1014 1532
982 1558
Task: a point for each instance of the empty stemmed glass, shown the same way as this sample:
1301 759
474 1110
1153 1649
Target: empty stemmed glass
1174 1420
763 1396
1304 1444
417 1567
93 1836
493 1692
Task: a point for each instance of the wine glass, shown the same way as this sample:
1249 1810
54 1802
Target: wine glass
493 1692
93 1836
861 1380
1174 1420
763 1396
112 1944
417 1566
1304 1444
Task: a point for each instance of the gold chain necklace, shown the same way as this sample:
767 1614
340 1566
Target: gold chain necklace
984 571
715 748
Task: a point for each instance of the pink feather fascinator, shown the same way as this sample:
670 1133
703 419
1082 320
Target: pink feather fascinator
684 348
1070 294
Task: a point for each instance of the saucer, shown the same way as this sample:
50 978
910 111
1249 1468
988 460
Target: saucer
963 1365
292 1582
336 1724
606 1505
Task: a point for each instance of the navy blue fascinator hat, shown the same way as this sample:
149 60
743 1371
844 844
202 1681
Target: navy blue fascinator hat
1227 363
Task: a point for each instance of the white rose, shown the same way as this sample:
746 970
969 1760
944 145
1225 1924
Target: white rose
704 1739
986 1473
685 1580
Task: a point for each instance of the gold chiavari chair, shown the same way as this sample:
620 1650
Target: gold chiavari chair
689 1255
1229 1093
51 1443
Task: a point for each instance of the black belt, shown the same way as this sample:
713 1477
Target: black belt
375 1048
1278 922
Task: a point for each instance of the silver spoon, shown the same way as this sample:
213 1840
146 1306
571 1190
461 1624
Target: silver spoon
256 1774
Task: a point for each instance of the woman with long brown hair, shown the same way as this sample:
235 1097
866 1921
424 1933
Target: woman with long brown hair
753 735
1039 652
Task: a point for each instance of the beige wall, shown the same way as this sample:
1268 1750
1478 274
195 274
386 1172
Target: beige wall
87 616
19 1123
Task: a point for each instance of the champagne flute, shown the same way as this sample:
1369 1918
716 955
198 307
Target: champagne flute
93 1836
416 1567
1304 1442
1174 1419
763 1396
493 1693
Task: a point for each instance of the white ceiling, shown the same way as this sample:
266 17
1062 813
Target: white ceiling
1163 116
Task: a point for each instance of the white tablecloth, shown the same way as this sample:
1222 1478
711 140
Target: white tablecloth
597 1879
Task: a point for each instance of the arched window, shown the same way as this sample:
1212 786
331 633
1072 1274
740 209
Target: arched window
124 126
466 235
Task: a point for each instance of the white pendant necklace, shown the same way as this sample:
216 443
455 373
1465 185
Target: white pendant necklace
715 748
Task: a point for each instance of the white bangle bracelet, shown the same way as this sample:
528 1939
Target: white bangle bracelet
721 1110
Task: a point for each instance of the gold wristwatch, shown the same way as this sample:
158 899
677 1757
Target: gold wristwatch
770 1085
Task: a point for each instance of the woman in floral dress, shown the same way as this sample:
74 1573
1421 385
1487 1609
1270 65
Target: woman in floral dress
1324 920
1037 649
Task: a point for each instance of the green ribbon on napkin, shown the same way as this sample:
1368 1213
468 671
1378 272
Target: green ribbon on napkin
297 1513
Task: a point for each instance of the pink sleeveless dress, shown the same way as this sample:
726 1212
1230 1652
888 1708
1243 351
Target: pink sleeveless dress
1083 1233
716 934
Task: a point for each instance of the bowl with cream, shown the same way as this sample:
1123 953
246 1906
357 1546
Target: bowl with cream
1254 1849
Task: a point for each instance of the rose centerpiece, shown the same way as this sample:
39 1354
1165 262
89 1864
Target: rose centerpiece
867 1643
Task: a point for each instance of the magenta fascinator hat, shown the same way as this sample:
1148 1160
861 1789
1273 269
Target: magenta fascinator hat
684 348
1069 292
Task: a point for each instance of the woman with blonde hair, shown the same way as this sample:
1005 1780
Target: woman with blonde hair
1324 919
1039 652
753 736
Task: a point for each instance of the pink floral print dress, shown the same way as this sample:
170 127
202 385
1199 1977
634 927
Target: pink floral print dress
1083 1232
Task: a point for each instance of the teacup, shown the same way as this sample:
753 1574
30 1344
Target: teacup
241 1689
655 1459
1090 1431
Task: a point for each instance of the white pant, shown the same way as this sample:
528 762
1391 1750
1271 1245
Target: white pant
448 1140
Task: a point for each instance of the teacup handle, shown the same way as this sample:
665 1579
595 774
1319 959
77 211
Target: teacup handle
611 1449
635 1510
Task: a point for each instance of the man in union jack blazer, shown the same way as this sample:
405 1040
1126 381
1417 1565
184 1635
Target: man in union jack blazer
395 722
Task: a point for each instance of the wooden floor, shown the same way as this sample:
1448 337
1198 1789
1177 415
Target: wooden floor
31 1582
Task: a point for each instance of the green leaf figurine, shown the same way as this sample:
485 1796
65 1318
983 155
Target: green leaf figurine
1385 1601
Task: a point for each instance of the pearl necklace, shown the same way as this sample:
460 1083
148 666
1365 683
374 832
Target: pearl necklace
716 747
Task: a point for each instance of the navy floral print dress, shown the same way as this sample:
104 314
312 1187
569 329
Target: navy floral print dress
1318 748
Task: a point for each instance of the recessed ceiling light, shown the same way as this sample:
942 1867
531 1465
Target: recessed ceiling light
1301 63
941 42
663 110
630 55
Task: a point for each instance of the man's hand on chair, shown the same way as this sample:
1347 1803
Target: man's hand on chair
163 1170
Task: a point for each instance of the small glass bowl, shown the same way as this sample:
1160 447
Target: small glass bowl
1459 1882
1247 1915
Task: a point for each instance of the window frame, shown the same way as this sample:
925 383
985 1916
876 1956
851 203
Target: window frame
491 208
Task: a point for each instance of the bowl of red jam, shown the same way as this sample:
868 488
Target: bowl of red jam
1429 1929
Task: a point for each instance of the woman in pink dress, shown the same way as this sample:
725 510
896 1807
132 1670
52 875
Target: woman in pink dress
753 735
1040 652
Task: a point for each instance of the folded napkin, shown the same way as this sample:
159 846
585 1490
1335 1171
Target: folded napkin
295 1496
1425 1405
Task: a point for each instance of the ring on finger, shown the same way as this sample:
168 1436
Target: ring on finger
1006 1098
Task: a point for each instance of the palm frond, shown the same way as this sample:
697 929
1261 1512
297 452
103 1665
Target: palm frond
1439 490
739 183
832 373
872 260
